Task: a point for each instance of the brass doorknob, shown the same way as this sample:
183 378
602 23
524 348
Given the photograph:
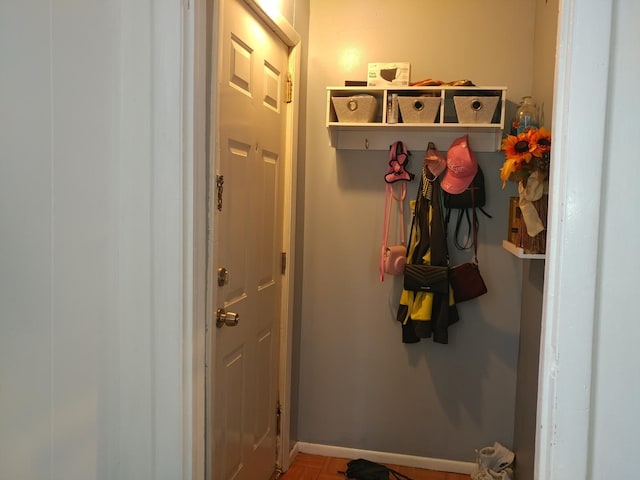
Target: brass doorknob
223 318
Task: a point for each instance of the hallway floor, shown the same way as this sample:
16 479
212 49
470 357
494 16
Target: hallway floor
316 467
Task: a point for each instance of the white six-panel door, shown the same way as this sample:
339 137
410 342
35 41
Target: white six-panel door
248 243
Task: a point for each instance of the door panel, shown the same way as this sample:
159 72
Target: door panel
267 222
232 387
248 241
240 65
234 236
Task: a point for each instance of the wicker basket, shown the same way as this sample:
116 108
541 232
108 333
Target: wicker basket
355 109
475 109
538 243
419 109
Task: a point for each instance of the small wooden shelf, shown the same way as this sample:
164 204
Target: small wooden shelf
519 252
446 127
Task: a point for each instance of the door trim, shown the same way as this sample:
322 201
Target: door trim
195 132
568 313
274 19
288 281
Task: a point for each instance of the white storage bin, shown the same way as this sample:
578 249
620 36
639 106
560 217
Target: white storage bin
475 109
355 109
419 109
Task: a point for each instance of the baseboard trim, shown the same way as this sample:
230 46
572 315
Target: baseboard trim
386 457
294 451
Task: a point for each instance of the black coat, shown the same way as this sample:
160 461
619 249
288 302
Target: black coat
431 242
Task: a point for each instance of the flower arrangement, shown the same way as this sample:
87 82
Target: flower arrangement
527 162
526 153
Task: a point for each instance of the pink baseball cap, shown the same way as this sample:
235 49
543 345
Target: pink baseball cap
461 167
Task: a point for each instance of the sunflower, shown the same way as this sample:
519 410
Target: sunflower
509 167
540 142
525 153
518 146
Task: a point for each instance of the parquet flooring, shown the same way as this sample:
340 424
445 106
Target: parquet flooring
316 467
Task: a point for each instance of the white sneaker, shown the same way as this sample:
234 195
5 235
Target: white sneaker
506 474
495 458
481 475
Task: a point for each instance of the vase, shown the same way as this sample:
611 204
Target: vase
526 115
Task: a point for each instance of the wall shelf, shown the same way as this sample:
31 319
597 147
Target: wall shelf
519 252
484 128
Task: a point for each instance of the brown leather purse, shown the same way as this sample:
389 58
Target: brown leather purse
466 281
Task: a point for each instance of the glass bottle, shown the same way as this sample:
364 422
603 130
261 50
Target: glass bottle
526 115
513 130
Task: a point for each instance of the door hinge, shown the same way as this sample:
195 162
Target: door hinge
277 469
278 418
289 90
206 345
283 263
220 186
277 472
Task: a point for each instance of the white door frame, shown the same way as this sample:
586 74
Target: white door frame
567 323
569 309
194 121
196 92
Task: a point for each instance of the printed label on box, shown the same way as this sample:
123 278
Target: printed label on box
383 74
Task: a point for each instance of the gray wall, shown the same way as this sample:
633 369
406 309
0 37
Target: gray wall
301 24
359 386
528 357
533 271
544 49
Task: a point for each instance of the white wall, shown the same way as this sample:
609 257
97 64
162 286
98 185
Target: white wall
615 422
90 301
360 387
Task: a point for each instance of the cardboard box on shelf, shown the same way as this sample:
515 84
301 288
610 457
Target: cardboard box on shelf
386 74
